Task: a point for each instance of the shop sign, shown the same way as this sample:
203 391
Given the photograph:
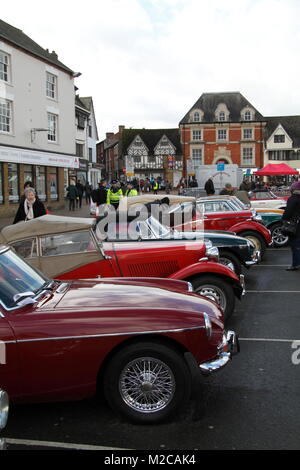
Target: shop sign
30 157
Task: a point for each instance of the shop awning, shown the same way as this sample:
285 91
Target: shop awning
279 169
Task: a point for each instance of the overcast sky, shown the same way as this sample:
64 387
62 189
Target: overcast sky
146 62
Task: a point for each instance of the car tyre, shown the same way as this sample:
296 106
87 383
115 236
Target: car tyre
147 382
257 239
279 239
216 289
231 261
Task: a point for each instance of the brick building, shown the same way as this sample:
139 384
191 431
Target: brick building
223 127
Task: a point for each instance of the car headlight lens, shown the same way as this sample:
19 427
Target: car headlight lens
4 406
190 287
256 216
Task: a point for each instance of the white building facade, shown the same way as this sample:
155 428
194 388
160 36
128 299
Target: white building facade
37 121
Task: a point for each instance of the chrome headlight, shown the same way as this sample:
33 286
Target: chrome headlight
257 217
4 405
208 326
190 287
211 252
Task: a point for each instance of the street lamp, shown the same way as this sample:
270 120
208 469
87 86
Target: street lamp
34 130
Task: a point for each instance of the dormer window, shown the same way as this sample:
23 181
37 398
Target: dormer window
247 114
196 115
222 113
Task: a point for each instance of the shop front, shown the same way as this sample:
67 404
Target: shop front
44 170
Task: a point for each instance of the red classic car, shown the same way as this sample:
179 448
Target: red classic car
219 213
71 248
142 340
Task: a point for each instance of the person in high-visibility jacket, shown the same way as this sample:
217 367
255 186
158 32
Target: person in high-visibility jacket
155 187
130 191
114 194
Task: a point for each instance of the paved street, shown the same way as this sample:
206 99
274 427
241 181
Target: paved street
251 404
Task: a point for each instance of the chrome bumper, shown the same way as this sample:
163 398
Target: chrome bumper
256 259
228 348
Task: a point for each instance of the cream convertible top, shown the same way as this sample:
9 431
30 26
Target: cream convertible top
145 198
58 263
44 225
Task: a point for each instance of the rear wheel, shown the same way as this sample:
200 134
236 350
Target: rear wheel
255 238
216 289
278 238
147 382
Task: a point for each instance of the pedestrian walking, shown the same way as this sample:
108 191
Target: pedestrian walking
88 192
292 212
209 187
80 189
30 207
155 187
72 195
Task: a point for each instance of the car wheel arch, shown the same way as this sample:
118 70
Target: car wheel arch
154 338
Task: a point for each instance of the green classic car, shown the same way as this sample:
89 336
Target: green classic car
272 219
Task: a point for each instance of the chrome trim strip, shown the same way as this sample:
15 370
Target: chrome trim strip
107 335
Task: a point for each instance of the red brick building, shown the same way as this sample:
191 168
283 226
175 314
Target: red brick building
222 127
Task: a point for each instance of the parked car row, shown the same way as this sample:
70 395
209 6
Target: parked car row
134 306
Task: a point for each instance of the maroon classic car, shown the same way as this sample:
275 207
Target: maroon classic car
142 340
71 248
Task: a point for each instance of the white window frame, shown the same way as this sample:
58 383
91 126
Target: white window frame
52 127
6 115
6 63
196 134
222 116
51 86
225 135
250 136
246 158
197 156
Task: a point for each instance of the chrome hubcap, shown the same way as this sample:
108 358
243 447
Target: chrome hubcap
278 237
227 262
255 241
147 385
213 293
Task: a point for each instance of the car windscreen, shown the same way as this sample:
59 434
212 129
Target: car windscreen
17 277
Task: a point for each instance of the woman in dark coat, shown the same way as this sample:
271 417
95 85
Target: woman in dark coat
30 207
292 210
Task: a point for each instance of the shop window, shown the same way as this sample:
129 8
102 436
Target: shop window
28 175
40 182
13 182
1 184
53 177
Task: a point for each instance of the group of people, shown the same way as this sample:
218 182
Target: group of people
75 193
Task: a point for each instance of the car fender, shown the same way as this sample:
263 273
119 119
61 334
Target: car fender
210 267
254 227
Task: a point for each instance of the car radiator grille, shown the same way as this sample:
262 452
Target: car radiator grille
155 269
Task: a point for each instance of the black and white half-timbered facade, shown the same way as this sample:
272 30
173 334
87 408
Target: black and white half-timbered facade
155 152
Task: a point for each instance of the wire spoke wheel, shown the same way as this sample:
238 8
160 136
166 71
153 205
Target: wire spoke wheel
147 384
214 293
